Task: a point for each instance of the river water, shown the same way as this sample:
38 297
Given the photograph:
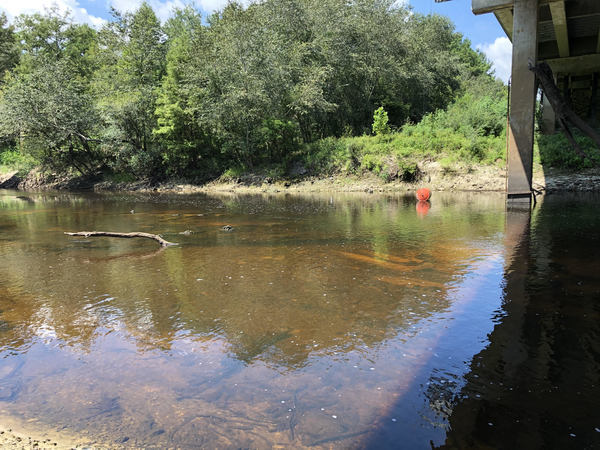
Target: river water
331 321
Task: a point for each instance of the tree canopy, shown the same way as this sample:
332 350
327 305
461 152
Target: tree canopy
243 86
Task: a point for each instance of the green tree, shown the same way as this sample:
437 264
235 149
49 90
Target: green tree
247 86
126 90
185 147
53 36
51 110
380 122
231 78
9 54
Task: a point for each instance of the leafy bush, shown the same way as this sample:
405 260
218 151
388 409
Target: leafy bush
380 122
13 160
556 151
277 138
233 172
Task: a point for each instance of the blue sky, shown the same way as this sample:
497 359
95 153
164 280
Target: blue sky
483 31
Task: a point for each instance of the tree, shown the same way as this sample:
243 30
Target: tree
126 89
380 122
231 78
185 147
9 54
248 86
51 109
53 36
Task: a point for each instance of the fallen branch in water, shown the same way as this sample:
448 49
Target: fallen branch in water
156 237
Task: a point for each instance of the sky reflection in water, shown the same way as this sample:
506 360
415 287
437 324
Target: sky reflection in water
317 321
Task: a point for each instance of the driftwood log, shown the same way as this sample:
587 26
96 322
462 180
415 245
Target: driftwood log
156 237
563 112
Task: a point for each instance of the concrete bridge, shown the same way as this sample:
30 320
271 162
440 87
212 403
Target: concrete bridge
566 35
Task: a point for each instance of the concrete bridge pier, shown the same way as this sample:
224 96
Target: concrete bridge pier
522 101
565 34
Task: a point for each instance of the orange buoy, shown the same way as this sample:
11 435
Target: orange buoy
423 194
423 208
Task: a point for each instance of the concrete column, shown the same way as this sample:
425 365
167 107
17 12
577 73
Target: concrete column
522 100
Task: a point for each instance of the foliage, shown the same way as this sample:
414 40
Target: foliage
14 160
556 151
470 130
380 122
248 86
125 86
9 55
53 114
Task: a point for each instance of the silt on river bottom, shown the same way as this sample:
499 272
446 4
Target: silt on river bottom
324 321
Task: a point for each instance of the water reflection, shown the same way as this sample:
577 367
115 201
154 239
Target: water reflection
318 321
536 385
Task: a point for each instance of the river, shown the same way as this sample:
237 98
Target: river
344 321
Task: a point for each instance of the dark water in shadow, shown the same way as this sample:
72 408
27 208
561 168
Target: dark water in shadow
325 321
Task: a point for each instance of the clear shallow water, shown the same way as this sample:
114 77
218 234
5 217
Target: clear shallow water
344 321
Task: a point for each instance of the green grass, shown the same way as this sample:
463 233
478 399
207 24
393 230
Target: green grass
555 151
11 160
402 152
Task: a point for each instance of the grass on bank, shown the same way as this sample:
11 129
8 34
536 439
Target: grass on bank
555 152
397 155
11 160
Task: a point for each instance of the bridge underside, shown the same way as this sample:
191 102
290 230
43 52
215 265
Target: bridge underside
566 35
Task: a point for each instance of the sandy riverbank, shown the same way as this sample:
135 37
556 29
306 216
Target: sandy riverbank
470 178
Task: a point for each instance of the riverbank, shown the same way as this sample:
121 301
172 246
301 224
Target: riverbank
483 178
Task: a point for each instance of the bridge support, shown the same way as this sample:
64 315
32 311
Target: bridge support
522 101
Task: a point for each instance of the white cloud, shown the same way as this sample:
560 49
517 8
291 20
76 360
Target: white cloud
162 9
13 8
500 54
215 5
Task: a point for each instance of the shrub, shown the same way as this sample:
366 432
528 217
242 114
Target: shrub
277 138
556 151
14 160
380 122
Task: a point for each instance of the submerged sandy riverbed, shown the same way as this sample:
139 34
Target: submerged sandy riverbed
18 434
348 319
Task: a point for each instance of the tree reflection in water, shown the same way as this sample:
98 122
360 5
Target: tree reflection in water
313 307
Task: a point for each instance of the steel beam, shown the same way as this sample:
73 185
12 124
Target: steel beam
548 116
